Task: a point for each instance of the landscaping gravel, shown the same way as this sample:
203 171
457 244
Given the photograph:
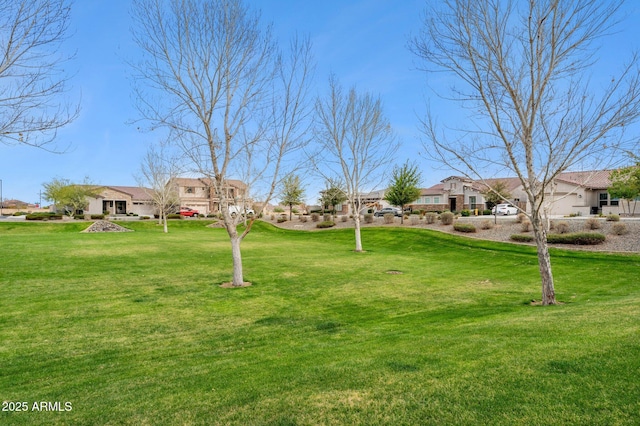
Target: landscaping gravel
502 231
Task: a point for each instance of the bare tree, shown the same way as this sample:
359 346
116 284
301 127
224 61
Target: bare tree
213 76
355 142
158 173
32 81
524 73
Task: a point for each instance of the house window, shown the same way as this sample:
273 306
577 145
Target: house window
436 200
472 202
427 200
615 202
189 190
604 198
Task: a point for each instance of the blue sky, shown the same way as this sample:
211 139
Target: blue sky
362 41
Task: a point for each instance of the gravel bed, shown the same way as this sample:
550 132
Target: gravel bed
502 230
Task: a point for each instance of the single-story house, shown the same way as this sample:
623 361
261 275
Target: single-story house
121 200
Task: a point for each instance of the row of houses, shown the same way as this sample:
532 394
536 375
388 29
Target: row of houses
578 193
573 193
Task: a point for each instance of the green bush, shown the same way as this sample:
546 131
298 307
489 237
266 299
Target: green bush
326 224
20 214
44 216
613 218
97 216
464 227
465 213
486 212
521 238
278 210
174 216
577 238
282 219
447 218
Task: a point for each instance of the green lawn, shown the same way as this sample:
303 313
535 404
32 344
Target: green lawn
132 328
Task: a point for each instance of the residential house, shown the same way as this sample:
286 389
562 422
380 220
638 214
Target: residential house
122 200
457 193
580 193
199 194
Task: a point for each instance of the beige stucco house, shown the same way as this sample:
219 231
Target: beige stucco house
121 200
199 194
573 193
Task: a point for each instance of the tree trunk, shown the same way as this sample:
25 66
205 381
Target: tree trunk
356 220
238 279
544 261
164 221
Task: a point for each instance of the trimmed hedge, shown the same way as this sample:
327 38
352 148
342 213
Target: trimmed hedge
577 238
43 216
326 224
464 227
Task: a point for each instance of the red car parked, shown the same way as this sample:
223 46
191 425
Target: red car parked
186 211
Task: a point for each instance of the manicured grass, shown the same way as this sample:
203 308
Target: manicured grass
132 328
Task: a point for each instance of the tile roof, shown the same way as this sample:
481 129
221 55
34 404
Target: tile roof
596 179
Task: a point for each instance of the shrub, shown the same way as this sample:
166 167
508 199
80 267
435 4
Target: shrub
326 224
520 217
20 214
303 219
282 219
431 217
388 217
327 218
592 223
78 216
272 217
521 238
315 217
344 218
464 227
465 213
613 218
415 220
43 216
368 218
174 216
525 225
278 210
97 216
619 229
447 218
486 212
486 224
577 238
561 227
